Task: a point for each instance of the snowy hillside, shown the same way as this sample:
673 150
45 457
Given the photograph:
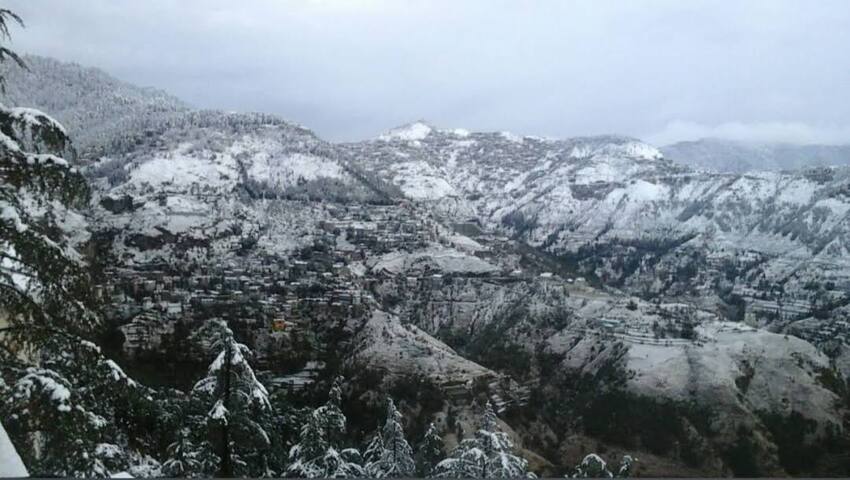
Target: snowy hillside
619 212
216 180
97 109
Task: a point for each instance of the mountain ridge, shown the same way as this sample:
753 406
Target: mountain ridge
741 157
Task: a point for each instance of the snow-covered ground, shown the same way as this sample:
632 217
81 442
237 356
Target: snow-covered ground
404 350
431 260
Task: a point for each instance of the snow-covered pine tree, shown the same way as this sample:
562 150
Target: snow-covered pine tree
61 392
344 464
190 455
430 451
489 454
333 420
625 468
396 458
237 406
317 453
307 456
467 460
44 281
594 466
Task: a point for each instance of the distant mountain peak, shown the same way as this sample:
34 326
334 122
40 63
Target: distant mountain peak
413 131
614 145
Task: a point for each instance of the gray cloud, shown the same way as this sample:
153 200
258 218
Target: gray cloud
656 69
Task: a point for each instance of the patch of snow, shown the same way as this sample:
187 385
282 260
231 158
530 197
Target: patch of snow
798 192
8 213
445 260
46 159
35 117
643 191
219 412
421 181
462 242
8 143
285 171
181 170
412 132
408 350
511 137
11 464
642 151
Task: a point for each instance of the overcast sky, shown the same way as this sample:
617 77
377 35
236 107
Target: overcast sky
662 70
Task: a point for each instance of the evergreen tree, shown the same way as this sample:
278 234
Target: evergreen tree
317 453
190 455
430 451
625 468
45 286
307 456
488 454
333 420
237 407
74 408
344 464
61 390
592 466
396 458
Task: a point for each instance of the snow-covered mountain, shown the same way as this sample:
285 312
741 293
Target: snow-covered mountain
214 176
563 280
738 157
616 210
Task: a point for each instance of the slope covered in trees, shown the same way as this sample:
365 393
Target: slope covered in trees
99 110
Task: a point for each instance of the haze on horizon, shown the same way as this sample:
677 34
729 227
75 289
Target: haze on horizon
660 70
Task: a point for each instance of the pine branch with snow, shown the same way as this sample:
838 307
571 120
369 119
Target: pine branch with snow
44 281
372 453
75 389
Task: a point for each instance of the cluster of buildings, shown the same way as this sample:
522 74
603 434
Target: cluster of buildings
260 296
267 299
